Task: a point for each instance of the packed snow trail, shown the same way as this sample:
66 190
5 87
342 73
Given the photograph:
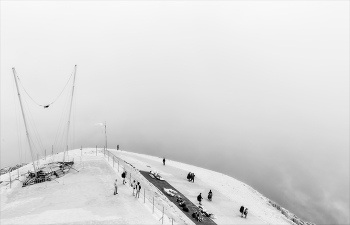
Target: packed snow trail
225 209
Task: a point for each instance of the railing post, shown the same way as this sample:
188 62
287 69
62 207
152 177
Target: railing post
10 177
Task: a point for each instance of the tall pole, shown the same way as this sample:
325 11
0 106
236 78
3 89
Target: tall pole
70 111
106 133
25 121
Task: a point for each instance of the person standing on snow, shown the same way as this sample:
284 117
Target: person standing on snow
133 187
199 198
189 176
193 177
245 212
138 189
164 161
241 210
210 195
115 187
123 176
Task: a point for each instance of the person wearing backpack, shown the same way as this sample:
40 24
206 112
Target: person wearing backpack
199 198
138 189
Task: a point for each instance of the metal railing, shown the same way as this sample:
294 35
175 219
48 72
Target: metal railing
149 193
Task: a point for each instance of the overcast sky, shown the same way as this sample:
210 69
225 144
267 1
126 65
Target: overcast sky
258 90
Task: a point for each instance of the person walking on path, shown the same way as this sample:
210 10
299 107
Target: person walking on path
133 187
245 212
164 161
115 187
138 189
241 210
193 177
199 198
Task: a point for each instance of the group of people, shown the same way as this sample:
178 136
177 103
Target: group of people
116 184
190 177
244 212
136 188
199 197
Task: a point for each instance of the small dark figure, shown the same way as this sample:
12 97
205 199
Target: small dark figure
189 176
199 198
164 161
115 187
123 176
241 210
210 195
193 177
245 212
117 147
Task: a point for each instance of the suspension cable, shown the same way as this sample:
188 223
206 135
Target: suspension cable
47 105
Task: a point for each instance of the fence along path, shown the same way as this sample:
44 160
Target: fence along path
149 193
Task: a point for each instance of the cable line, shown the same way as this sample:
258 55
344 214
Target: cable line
47 105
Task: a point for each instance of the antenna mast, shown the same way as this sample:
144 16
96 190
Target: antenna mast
106 133
25 121
70 110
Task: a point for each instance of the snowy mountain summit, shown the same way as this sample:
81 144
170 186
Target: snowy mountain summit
150 192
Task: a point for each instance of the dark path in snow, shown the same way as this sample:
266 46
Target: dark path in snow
192 207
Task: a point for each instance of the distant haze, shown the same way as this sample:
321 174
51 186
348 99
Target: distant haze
258 90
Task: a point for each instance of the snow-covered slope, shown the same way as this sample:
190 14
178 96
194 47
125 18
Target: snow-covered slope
86 196
234 192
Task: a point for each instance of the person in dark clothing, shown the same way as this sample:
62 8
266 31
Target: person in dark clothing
164 161
210 195
123 176
189 176
193 177
241 210
199 198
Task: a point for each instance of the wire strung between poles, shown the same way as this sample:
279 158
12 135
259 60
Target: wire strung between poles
47 105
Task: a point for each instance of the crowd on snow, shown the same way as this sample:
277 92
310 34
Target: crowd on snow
198 214
136 186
